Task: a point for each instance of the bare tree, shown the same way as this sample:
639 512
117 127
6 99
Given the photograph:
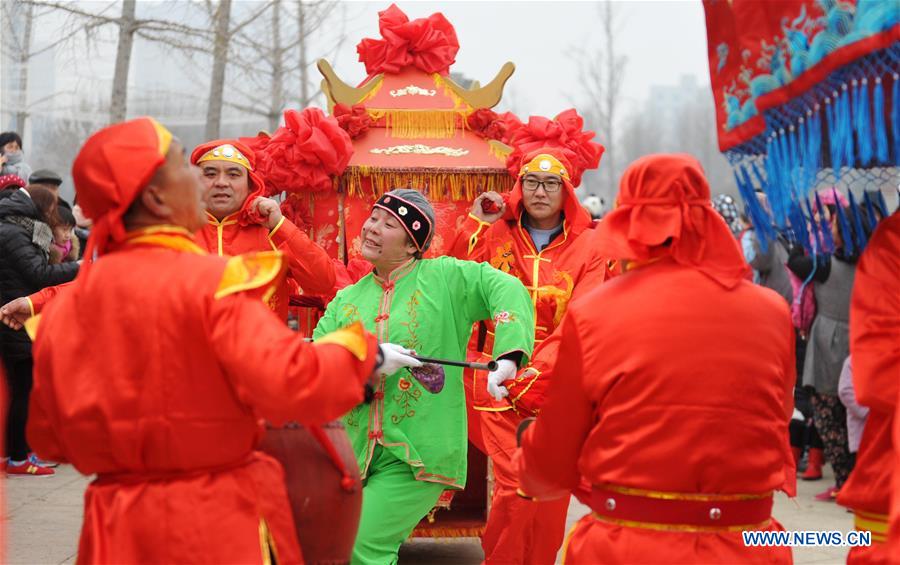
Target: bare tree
154 29
24 56
311 17
223 34
303 63
263 68
17 49
603 69
119 99
220 60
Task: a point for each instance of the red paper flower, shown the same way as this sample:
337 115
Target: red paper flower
296 209
565 133
355 120
304 154
428 43
491 125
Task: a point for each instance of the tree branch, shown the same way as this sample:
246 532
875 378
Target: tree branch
233 31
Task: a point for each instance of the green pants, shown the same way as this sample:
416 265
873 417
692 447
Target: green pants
393 503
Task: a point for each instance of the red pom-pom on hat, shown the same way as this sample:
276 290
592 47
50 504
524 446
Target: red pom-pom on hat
564 135
7 181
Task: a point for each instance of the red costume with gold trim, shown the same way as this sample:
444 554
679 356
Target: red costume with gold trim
687 360
162 396
875 349
308 264
520 531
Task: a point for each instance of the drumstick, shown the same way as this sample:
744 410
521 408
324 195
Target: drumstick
489 366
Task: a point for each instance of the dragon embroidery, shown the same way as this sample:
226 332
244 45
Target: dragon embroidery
554 295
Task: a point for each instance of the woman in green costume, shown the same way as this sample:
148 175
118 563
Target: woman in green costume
411 444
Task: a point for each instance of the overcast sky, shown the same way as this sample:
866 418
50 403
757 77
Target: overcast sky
661 39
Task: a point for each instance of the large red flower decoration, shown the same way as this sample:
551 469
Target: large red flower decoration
304 153
564 132
355 120
428 43
491 125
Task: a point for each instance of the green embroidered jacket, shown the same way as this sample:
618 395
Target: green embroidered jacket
428 305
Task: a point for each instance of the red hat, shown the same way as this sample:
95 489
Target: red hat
110 171
7 181
666 198
234 151
563 137
549 160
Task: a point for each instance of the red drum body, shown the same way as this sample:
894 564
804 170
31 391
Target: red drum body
323 486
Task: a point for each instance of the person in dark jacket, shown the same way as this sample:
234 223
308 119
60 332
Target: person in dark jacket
829 340
10 184
25 239
50 180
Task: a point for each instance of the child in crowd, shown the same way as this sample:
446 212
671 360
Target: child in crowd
65 245
856 414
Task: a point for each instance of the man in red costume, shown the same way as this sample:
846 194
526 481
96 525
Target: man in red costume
241 220
662 374
875 350
154 368
541 235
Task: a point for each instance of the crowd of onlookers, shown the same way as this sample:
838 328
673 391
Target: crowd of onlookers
41 241
827 423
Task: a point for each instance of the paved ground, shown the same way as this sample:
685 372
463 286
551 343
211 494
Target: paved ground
44 517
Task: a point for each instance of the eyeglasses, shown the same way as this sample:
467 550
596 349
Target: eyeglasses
531 184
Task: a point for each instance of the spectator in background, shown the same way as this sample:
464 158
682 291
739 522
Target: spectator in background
770 270
49 180
594 205
829 342
856 414
10 184
726 207
25 241
12 156
82 227
65 246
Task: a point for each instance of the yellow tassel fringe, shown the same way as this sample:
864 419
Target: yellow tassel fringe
458 102
371 94
442 532
436 185
499 150
413 124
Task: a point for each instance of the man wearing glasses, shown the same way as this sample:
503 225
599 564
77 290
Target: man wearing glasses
540 234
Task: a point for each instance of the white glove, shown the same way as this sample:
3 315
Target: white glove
395 358
506 369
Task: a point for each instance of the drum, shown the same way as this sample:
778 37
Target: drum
323 486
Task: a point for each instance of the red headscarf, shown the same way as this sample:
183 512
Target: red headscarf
111 169
576 217
666 197
257 185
